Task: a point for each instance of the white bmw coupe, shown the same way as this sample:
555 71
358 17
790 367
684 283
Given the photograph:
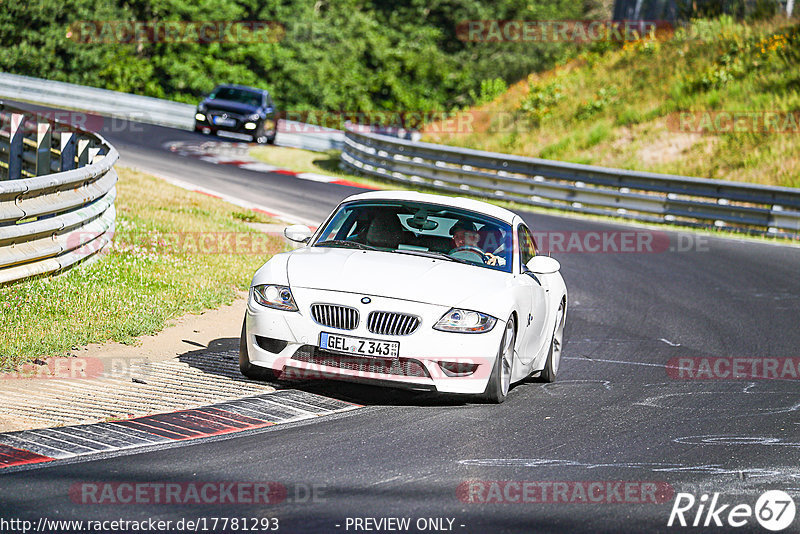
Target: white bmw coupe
409 290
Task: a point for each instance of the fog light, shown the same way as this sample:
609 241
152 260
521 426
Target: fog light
270 344
200 117
249 126
458 368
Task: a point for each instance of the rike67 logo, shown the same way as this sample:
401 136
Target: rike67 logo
774 510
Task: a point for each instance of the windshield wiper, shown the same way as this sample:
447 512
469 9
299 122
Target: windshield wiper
433 254
344 243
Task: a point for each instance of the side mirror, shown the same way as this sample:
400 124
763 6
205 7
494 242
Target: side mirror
543 265
298 233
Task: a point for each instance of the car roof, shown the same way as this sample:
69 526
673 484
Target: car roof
235 86
455 202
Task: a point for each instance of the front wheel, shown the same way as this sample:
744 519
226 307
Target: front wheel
253 372
500 379
554 356
263 137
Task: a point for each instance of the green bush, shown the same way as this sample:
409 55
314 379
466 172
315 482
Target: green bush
541 100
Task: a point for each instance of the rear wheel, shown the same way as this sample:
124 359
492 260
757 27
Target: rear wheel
500 379
253 372
554 356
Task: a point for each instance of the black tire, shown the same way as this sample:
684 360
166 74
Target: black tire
260 136
253 372
550 369
494 391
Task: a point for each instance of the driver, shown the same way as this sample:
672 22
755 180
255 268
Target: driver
466 235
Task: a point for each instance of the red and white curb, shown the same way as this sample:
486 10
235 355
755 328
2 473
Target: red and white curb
236 201
228 153
47 445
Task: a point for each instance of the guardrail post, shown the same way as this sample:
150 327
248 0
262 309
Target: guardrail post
83 152
44 142
68 147
15 146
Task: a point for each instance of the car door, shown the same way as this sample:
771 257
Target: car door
532 328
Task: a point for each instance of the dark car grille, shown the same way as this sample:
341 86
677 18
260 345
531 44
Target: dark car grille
237 119
230 114
341 317
392 324
397 366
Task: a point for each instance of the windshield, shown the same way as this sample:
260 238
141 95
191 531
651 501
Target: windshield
243 96
423 229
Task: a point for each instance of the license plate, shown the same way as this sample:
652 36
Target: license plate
219 121
360 346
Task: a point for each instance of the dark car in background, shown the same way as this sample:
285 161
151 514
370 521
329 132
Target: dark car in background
237 110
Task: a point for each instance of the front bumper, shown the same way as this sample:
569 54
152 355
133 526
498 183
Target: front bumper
238 128
287 342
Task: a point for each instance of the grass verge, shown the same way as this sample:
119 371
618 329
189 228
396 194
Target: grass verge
174 252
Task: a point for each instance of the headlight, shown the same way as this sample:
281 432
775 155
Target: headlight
271 296
200 117
465 321
249 126
253 117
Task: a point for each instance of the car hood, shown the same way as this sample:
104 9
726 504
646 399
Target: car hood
400 276
229 105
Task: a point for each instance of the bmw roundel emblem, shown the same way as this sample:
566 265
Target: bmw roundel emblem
366 300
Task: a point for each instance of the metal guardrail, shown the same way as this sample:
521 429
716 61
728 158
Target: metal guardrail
146 109
641 196
57 191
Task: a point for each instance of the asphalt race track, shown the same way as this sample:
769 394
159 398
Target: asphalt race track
619 411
